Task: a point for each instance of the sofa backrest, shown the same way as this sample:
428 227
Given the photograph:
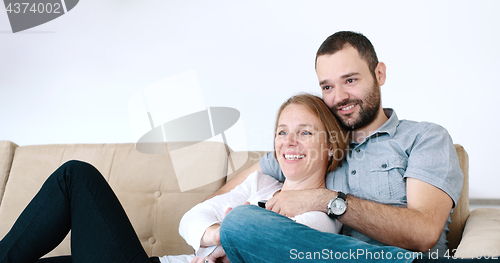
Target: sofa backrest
147 185
461 210
239 161
6 155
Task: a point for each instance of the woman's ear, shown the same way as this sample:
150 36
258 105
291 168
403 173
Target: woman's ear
330 151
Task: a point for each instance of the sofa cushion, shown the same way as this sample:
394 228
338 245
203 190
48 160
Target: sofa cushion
146 185
480 237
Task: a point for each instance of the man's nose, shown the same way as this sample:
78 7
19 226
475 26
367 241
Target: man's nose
340 95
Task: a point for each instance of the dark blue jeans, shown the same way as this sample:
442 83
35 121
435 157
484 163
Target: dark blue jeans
75 197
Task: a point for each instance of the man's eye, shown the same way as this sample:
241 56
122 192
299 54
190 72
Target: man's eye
350 80
327 88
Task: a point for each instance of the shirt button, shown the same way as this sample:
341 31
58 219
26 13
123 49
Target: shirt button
157 194
358 150
353 172
384 165
152 240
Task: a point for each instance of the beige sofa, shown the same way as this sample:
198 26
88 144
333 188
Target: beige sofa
149 187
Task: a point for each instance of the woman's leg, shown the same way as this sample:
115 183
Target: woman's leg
75 197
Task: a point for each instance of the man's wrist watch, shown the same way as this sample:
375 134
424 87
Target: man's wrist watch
337 206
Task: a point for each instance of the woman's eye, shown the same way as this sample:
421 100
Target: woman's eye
281 133
305 133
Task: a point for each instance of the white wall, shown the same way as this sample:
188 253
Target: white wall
70 80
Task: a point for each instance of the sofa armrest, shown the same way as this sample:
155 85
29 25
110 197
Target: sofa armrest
481 235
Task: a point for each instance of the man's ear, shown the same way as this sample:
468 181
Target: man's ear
380 73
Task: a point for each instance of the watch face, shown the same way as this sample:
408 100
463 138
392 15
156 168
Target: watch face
338 207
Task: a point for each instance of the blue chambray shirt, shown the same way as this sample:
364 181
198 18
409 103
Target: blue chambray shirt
376 169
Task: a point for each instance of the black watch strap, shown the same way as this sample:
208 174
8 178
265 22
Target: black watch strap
342 196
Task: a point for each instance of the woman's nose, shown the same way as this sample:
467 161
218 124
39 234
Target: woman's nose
291 139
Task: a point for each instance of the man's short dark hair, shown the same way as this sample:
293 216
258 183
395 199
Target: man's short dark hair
339 40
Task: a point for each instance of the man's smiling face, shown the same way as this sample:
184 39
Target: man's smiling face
348 87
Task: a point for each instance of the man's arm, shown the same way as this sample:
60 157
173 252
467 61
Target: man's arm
416 227
237 179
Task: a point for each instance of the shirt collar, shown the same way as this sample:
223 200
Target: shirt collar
391 124
389 127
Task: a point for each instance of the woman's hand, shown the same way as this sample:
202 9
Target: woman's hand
211 236
218 255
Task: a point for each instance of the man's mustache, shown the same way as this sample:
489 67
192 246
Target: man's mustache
341 104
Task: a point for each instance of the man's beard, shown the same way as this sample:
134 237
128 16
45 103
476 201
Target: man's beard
367 110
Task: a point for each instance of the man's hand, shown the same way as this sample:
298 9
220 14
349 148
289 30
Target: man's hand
295 202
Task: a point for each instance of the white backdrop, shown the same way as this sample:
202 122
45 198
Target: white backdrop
70 80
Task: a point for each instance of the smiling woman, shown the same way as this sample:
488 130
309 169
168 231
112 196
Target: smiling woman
307 131
301 143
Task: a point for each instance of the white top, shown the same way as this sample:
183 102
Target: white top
256 187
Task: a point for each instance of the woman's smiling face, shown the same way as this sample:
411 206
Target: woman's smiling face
301 143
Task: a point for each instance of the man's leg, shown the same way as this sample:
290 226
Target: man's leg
253 234
75 197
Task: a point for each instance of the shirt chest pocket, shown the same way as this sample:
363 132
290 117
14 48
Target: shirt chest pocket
387 178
